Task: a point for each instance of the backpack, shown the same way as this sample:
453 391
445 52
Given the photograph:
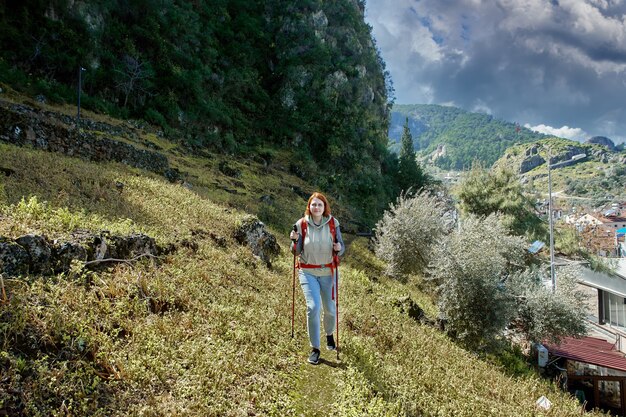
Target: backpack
333 231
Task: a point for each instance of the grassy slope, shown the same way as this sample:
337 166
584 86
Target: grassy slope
208 332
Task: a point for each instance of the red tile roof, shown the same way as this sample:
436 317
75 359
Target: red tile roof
590 350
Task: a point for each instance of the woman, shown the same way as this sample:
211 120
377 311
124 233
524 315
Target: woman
316 269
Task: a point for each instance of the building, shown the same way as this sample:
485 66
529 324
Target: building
594 368
594 371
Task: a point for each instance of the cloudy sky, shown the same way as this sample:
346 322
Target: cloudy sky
556 66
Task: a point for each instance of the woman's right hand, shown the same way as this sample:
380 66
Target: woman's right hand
294 235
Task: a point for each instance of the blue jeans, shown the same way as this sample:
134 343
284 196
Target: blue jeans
318 293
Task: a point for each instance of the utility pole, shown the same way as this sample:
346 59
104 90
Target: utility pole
550 165
552 275
80 82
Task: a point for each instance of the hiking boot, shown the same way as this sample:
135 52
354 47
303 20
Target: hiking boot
314 357
330 342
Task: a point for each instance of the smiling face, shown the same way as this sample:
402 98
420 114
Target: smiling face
320 203
317 208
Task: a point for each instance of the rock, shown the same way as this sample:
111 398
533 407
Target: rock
7 171
267 199
531 163
297 170
533 150
39 252
412 309
21 125
13 258
320 21
173 175
66 252
300 192
252 232
228 170
604 141
126 247
440 152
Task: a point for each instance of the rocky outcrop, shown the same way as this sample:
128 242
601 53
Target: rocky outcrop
37 255
604 141
22 125
13 258
567 154
252 232
530 163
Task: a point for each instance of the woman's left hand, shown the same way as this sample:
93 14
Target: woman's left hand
336 246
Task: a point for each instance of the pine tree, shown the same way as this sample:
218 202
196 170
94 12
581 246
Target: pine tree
410 174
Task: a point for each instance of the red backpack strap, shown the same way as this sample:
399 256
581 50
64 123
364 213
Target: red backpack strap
303 227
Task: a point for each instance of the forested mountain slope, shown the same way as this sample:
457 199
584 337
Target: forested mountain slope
453 138
230 75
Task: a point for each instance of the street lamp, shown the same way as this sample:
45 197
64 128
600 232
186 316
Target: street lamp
80 81
550 166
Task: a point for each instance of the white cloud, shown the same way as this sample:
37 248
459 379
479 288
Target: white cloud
573 133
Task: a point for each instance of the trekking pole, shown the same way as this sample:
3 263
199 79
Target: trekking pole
336 260
337 307
293 286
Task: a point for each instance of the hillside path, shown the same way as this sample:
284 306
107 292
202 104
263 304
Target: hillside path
316 388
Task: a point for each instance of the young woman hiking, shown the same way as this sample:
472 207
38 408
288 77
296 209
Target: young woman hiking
317 241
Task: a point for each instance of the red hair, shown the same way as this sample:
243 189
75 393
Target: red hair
322 197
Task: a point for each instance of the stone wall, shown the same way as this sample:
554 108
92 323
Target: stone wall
37 255
25 126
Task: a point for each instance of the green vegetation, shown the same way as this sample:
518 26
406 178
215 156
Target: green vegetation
483 285
261 103
206 331
483 192
409 231
597 179
467 136
411 178
229 75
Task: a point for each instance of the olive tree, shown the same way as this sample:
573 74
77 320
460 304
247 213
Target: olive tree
499 190
470 267
542 314
409 230
484 287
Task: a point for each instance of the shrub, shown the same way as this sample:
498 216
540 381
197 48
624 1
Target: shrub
546 315
470 267
408 230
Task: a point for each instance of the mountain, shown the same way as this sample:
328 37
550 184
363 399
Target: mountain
593 179
235 76
452 138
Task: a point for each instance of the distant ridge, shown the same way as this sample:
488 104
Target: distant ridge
453 138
